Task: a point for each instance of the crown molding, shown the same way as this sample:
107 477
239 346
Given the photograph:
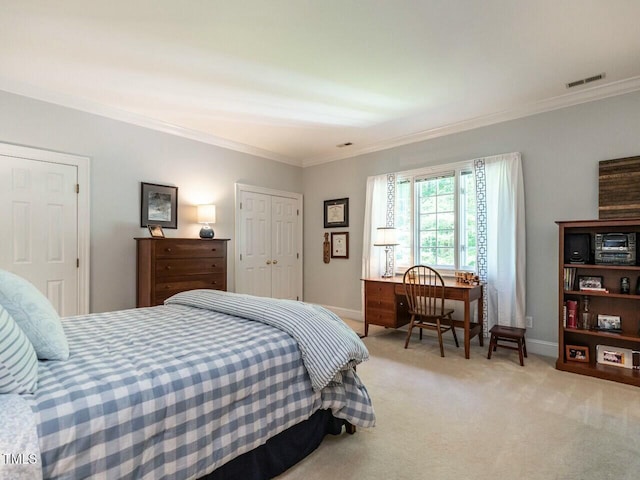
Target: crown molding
584 95
555 103
112 113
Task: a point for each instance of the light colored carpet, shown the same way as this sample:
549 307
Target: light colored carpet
451 418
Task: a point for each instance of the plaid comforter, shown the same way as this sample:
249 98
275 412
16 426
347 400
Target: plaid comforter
174 392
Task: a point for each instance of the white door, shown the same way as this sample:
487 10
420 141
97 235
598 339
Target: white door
284 251
254 274
38 207
269 243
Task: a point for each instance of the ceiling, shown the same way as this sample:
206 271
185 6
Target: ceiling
290 80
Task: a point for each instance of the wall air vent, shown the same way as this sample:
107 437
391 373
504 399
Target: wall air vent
584 81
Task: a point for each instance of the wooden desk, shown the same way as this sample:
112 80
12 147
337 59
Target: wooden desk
385 304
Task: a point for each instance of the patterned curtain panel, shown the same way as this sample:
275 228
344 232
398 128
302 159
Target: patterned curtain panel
501 238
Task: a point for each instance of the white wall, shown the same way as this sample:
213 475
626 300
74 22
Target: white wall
560 154
122 156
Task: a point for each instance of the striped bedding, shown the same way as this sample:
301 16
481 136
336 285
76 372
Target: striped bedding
176 391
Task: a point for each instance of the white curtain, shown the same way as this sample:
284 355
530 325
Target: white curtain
501 238
374 216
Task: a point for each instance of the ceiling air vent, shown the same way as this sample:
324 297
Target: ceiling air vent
584 81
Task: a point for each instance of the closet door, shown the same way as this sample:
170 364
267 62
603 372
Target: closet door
268 243
38 207
284 225
254 242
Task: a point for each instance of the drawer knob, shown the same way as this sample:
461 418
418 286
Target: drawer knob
213 266
168 267
167 249
214 282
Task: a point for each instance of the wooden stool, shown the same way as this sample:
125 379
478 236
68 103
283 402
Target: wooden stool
508 334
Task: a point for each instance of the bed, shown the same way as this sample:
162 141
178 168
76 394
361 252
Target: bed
196 388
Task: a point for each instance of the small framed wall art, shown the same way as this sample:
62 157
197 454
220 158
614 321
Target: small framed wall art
339 244
158 205
336 213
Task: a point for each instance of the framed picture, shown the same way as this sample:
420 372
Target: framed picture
336 213
609 322
589 283
339 244
156 231
576 353
158 205
616 356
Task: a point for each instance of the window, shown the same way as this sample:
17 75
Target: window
436 219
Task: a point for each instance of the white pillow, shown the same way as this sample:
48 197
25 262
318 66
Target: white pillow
18 361
35 315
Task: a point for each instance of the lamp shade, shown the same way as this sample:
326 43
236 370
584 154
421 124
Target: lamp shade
386 236
206 214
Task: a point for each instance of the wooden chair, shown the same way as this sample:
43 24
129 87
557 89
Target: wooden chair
424 289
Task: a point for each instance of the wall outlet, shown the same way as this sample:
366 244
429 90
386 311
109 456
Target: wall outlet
529 321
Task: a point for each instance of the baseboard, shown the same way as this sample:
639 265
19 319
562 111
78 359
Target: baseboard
346 313
537 347
541 347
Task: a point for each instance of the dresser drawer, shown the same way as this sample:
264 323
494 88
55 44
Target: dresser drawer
167 287
168 248
171 267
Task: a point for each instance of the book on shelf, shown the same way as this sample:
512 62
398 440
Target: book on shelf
593 289
569 277
572 314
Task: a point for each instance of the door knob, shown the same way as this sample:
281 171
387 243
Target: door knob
268 262
275 261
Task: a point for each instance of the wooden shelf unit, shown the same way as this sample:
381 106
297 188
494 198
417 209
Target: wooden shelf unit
627 306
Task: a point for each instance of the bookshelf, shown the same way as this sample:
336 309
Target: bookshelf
609 301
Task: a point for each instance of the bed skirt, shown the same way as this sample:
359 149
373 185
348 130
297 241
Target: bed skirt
282 451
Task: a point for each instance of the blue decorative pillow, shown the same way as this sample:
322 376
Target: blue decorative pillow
18 361
35 315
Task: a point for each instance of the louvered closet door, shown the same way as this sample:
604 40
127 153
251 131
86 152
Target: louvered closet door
39 239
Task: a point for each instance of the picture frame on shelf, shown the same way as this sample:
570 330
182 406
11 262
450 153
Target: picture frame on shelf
339 244
615 356
156 231
336 213
158 205
609 322
577 353
590 282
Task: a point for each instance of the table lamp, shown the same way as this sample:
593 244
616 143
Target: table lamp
386 237
206 216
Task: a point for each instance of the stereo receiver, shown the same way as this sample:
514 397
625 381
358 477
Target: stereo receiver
615 248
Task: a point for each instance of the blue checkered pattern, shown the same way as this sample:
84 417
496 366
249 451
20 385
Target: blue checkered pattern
174 392
327 344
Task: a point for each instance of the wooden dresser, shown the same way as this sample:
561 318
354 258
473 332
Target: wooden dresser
167 266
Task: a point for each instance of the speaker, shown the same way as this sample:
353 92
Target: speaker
577 248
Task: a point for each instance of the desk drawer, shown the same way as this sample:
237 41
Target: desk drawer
381 317
380 290
381 304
